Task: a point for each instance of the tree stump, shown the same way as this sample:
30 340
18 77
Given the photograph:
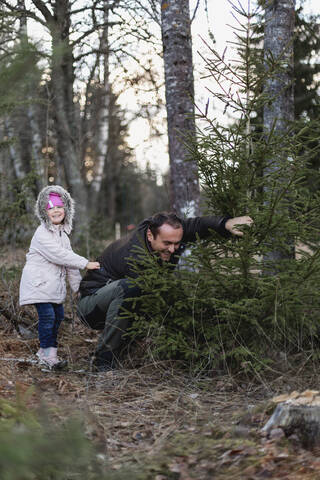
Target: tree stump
297 414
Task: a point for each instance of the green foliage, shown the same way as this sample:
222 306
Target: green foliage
16 222
241 300
17 413
222 311
19 79
306 44
33 447
18 75
307 65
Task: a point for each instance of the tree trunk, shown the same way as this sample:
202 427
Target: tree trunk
278 42
103 116
112 165
297 414
177 53
21 129
279 111
39 163
62 89
7 178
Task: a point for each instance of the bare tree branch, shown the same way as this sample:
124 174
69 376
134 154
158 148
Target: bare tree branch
43 9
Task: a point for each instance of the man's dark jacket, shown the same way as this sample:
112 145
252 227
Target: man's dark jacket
114 260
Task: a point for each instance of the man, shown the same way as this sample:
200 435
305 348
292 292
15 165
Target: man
103 291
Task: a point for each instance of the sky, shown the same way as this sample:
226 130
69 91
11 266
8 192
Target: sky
154 151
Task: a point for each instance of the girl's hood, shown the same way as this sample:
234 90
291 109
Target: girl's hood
42 201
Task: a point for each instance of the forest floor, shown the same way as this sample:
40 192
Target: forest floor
159 421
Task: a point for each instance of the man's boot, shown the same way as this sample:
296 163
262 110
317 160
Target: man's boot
104 361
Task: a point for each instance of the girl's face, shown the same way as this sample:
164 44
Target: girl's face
56 215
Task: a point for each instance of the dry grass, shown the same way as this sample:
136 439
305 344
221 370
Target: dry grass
192 425
158 418
128 411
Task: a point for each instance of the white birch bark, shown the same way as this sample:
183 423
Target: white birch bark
36 152
103 133
278 41
177 54
279 111
62 78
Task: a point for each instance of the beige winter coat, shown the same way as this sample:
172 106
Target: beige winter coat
50 259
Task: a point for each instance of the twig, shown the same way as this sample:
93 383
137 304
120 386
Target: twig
13 359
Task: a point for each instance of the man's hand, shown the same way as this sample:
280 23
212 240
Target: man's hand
232 223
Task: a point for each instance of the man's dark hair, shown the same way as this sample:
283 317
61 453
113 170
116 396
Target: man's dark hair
159 219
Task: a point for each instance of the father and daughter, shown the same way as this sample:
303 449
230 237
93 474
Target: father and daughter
50 259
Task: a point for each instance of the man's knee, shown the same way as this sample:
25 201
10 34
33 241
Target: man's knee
130 293
129 289
107 303
92 317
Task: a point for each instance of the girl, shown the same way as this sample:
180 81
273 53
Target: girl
49 259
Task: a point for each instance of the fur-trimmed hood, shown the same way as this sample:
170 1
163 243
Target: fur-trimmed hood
42 201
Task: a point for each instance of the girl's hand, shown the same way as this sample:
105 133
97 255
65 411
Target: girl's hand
93 266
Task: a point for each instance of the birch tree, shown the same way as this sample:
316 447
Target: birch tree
279 110
101 135
62 77
28 154
177 55
278 42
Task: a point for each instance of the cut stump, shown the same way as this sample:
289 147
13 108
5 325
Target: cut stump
297 414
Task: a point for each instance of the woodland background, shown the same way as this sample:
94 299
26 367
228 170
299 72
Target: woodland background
239 322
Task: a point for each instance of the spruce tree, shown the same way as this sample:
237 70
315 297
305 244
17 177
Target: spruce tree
226 310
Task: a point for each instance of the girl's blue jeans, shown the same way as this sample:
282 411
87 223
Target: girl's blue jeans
50 318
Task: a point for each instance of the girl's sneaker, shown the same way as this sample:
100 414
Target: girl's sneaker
48 358
56 362
41 355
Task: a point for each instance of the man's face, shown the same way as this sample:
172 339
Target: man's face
166 242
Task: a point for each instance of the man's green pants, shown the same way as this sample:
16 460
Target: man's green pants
103 310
